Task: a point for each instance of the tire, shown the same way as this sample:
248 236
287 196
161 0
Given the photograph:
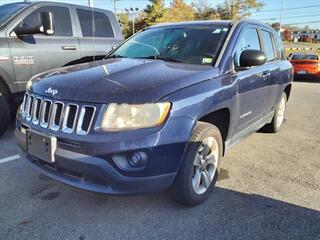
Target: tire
185 188
4 114
279 116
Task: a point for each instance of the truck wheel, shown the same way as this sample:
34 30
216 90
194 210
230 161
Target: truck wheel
278 118
4 114
199 170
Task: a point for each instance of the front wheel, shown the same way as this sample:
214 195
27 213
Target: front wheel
199 170
278 118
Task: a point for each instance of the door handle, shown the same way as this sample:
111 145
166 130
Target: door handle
266 74
69 48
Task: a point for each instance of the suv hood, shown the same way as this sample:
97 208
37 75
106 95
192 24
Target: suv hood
118 80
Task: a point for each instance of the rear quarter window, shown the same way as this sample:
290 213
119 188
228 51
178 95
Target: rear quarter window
94 24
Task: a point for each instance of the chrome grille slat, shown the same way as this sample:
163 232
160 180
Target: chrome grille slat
56 115
55 108
65 126
81 129
45 113
35 110
29 106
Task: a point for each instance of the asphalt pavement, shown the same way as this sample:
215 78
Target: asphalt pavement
269 188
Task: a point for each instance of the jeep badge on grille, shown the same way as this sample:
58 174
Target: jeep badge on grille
51 91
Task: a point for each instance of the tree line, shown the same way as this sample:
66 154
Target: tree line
156 12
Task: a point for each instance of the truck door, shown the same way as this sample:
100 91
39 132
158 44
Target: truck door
97 35
39 53
253 91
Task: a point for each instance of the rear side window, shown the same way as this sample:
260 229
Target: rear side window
94 24
268 45
249 39
61 19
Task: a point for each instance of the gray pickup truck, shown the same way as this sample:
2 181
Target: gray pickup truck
39 36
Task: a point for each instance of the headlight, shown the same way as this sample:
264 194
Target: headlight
124 116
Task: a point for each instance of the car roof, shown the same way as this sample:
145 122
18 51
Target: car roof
193 23
213 22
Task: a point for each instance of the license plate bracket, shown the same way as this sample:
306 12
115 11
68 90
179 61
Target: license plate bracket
41 145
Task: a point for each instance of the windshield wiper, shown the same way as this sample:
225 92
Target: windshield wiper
165 58
114 56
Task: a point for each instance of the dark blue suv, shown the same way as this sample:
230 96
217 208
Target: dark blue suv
159 111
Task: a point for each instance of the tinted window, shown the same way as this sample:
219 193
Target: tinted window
193 45
249 39
94 24
304 57
268 45
61 19
8 10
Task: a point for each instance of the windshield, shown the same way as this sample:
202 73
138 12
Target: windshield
193 45
304 57
8 10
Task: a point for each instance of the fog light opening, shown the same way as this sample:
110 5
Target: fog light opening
138 159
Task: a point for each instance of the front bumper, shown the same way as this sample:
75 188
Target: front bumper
96 175
90 163
310 74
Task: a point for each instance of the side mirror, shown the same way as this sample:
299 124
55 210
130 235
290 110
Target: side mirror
250 58
46 26
46 19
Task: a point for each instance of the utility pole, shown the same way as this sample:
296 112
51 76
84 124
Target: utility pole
90 3
281 15
114 6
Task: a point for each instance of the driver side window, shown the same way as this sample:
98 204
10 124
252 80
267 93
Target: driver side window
61 18
249 39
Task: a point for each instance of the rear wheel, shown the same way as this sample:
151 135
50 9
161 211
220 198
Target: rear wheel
199 170
4 114
278 118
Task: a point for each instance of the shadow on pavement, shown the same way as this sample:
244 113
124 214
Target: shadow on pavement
226 215
306 80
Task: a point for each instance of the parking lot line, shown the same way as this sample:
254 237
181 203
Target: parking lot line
8 159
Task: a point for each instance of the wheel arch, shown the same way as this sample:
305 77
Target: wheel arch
287 90
5 90
221 119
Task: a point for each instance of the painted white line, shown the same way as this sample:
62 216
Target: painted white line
8 159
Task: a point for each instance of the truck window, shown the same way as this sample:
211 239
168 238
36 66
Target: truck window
249 39
94 24
268 45
61 18
10 9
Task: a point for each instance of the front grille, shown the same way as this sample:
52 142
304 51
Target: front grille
57 115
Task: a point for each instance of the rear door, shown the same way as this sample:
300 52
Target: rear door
97 33
253 92
272 67
38 53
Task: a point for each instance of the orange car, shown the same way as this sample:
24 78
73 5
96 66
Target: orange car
306 65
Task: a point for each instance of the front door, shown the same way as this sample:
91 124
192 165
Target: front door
39 53
253 91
